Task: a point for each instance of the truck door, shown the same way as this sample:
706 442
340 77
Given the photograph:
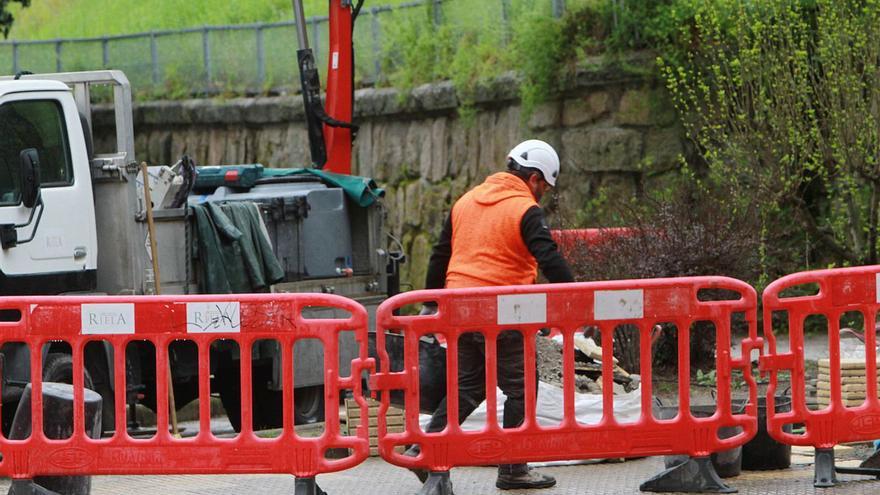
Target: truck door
62 255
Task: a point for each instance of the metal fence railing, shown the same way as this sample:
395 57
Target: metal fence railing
249 58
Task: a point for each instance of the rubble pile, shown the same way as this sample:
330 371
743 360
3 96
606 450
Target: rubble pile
588 370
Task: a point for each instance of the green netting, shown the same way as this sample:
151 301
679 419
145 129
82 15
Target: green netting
81 55
37 58
181 64
6 65
280 50
133 56
234 64
368 47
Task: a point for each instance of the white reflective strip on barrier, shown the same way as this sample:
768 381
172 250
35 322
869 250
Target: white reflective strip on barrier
213 317
522 308
619 304
107 319
877 286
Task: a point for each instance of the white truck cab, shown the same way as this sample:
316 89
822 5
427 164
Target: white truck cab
45 250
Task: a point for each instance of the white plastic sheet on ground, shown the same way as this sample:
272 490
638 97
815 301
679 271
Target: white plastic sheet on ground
587 407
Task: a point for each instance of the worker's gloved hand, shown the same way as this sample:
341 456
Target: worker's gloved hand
429 308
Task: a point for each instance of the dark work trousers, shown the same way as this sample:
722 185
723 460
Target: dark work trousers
472 378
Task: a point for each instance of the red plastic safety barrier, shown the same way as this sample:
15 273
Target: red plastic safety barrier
244 319
840 291
568 307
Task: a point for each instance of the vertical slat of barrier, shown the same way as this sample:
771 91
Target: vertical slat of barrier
569 418
287 367
410 366
646 370
530 378
120 386
491 381
162 380
246 353
870 359
607 336
452 381
330 338
796 345
78 404
37 390
684 367
834 350
204 348
722 366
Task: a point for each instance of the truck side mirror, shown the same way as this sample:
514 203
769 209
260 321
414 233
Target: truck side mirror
30 177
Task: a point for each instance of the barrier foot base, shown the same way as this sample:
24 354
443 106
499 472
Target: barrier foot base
697 475
438 483
28 487
824 477
307 486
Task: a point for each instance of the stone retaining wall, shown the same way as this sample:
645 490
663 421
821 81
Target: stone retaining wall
615 133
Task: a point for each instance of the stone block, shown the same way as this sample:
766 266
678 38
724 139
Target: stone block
439 150
437 96
663 147
419 253
485 144
602 149
545 116
413 205
459 152
273 110
586 109
362 153
434 205
158 148
645 107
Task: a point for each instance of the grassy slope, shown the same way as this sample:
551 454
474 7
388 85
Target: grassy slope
47 19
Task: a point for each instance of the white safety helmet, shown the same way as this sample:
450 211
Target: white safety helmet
538 155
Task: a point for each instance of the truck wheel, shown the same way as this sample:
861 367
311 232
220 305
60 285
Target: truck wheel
59 368
308 404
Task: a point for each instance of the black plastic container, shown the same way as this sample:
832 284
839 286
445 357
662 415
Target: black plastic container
763 452
727 463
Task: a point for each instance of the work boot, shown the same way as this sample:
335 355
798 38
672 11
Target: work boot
518 476
413 451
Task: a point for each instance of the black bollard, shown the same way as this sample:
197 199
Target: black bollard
57 424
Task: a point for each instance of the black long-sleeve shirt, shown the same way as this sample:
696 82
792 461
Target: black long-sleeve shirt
536 236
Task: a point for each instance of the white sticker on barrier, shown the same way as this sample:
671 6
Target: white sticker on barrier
619 304
522 308
877 285
213 317
107 319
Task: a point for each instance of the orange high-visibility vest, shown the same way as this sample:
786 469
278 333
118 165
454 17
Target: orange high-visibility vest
487 244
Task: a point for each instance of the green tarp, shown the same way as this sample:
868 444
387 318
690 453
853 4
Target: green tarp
361 190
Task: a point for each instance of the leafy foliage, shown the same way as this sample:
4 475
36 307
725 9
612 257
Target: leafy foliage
782 98
6 17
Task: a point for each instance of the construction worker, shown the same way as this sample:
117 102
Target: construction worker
496 235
